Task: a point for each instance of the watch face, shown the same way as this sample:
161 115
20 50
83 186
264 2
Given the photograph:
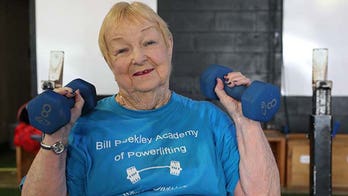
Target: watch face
58 147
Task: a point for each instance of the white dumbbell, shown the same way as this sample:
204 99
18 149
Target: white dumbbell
175 168
133 174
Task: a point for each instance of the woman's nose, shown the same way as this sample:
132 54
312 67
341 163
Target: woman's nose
138 56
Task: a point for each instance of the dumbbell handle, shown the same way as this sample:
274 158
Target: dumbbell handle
236 92
219 71
75 85
84 87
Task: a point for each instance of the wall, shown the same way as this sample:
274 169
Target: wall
314 24
243 34
14 65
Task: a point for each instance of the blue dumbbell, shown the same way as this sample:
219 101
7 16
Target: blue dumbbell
49 111
260 101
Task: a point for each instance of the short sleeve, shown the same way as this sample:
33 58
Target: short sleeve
230 159
227 149
76 166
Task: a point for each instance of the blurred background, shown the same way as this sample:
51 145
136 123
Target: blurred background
267 40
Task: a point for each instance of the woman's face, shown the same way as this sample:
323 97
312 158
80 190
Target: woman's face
139 57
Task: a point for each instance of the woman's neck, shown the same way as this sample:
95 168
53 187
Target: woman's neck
143 100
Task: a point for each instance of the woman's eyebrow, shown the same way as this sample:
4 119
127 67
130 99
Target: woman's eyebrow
119 37
147 28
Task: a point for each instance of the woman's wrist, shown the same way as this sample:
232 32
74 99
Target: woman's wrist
61 135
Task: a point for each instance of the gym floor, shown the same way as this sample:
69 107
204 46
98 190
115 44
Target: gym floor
9 185
8 178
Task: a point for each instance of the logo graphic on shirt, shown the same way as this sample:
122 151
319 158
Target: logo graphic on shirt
134 175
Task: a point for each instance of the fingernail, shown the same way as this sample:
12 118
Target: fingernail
66 92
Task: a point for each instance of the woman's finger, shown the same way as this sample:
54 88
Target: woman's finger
66 91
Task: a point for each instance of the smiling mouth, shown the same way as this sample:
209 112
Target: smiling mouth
144 72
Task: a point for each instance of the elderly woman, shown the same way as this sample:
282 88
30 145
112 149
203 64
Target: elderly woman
146 139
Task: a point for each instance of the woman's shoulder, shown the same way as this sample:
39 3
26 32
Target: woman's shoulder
190 102
105 102
201 106
209 112
102 111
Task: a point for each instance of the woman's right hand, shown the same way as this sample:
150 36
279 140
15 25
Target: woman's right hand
63 133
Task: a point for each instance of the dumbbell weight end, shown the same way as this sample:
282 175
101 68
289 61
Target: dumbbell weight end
261 101
49 111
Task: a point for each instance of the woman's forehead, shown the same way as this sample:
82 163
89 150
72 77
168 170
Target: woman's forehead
124 28
128 22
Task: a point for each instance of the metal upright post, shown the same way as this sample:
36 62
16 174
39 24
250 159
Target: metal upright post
320 138
55 72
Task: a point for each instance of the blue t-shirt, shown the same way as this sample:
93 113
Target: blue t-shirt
185 147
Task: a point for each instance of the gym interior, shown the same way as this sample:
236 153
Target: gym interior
250 36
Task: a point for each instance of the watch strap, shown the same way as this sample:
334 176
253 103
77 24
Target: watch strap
45 146
57 147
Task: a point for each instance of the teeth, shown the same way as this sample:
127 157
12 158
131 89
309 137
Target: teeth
144 72
147 70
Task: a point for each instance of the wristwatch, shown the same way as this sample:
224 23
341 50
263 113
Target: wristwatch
57 147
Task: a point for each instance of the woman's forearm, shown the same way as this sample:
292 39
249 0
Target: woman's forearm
259 174
46 175
258 170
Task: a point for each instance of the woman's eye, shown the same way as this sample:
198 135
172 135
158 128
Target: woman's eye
151 42
122 50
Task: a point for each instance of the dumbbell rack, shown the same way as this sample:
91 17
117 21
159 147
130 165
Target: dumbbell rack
320 139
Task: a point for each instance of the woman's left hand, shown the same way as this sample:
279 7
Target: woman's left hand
234 107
